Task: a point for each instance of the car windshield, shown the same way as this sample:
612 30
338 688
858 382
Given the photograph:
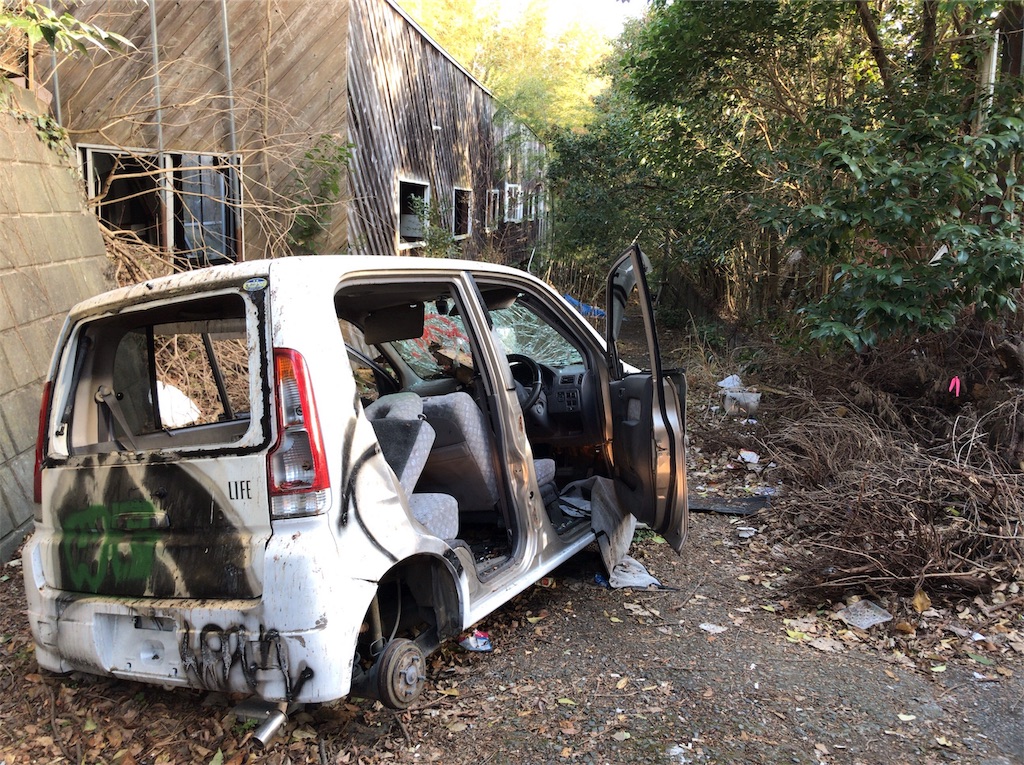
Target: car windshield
443 347
524 332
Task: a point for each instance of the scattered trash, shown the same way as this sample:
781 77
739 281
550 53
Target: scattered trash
864 614
479 642
738 399
714 629
744 402
745 532
751 458
547 581
601 580
629 572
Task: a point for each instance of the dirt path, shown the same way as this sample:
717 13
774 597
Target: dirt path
705 673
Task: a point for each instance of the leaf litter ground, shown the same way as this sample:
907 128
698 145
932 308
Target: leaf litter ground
581 673
737 663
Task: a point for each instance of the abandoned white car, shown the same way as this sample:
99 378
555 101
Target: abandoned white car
295 478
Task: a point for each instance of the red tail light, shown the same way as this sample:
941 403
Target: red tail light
297 465
37 477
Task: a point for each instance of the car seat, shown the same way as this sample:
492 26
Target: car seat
405 440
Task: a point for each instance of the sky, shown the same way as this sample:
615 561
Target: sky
607 16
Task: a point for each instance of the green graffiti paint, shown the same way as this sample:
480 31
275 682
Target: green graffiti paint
116 542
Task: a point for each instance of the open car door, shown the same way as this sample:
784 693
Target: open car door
648 418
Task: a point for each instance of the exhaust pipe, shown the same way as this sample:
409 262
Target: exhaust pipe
268 729
270 716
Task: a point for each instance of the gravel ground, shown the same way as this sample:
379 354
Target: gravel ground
702 673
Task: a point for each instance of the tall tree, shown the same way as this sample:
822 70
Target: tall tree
851 159
546 80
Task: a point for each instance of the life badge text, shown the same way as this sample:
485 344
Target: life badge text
239 489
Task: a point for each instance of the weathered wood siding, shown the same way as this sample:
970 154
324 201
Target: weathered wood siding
417 115
357 69
288 62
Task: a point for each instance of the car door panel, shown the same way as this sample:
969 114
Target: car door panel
647 413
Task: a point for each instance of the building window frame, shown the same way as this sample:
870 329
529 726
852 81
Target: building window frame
513 203
462 213
492 213
186 203
411 228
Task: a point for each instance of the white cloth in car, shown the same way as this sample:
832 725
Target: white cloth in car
614 528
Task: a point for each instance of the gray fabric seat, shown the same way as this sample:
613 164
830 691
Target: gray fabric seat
461 461
405 440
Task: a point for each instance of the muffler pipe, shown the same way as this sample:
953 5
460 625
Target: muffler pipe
268 729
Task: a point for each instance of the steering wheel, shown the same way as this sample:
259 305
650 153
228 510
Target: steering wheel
527 392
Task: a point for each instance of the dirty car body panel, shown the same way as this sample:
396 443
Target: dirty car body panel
246 471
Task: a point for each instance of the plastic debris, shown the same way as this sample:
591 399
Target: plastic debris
745 402
745 532
629 572
547 581
601 580
714 629
479 642
864 614
751 458
737 399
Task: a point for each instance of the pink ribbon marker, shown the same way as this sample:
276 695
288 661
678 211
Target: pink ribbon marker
954 386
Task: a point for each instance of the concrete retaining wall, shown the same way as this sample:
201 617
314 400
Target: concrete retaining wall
51 256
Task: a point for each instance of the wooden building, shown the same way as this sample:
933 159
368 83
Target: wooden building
239 129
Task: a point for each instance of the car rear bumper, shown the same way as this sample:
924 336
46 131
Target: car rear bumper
223 645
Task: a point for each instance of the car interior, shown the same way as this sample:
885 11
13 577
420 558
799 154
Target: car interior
431 406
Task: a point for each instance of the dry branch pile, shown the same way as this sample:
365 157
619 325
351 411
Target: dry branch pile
894 484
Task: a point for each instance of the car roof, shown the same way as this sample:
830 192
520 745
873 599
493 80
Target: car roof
308 266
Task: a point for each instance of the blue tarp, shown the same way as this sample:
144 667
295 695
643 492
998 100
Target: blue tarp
583 308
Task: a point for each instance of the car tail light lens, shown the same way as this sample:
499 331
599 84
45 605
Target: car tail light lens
297 465
37 476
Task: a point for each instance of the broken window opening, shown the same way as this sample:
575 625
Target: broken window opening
413 201
462 222
185 203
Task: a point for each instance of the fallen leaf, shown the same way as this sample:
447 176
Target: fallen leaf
939 668
943 741
457 727
622 683
567 702
89 726
981 659
448 691
615 620
826 644
303 733
621 735
921 601
218 758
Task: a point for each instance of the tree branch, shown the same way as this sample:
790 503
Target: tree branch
867 21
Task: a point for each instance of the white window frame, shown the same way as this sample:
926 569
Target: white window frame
492 213
165 168
513 203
